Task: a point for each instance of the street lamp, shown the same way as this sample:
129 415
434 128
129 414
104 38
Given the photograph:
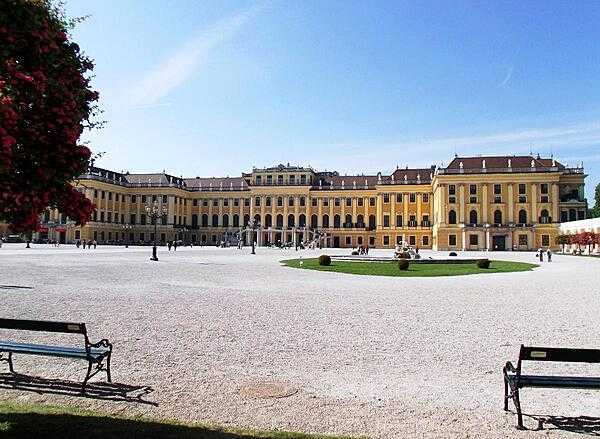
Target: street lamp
253 225
126 229
155 211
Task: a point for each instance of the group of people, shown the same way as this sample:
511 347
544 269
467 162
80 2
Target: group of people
363 249
84 243
540 254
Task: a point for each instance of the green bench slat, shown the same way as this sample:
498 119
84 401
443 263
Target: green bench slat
54 351
568 382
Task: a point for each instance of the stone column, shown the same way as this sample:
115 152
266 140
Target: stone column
442 201
484 204
555 203
296 209
461 200
510 204
487 239
393 211
464 239
534 210
405 199
320 212
419 199
220 212
379 212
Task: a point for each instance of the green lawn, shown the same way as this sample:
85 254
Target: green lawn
44 421
415 270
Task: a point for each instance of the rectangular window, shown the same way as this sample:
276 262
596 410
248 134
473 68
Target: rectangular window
258 181
348 240
452 240
544 188
425 198
103 194
386 220
522 239
268 201
109 196
386 198
472 189
398 220
290 201
142 219
451 199
399 239
194 202
153 198
101 217
372 241
246 202
398 198
314 202
451 189
109 217
236 202
279 201
522 189
165 199
216 202
303 179
205 203
134 198
497 199
269 180
142 237
412 240
545 240
372 201
497 189
132 218
386 240
348 202
280 180
473 239
325 202
226 202
337 202
292 179
473 200
143 198
425 222
360 201
412 198
425 240
96 193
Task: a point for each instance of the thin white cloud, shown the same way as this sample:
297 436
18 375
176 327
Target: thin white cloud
181 65
507 77
561 140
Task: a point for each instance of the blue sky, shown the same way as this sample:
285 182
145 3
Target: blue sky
213 88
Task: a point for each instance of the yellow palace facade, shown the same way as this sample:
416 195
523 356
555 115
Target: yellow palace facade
474 203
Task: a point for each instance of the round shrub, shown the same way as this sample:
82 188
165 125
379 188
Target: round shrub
403 264
483 263
324 260
354 253
452 254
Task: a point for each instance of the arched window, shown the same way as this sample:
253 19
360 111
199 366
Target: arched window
372 222
498 217
268 220
204 220
246 219
236 220
522 216
348 221
194 220
336 221
326 221
225 220
452 217
314 221
544 217
302 220
473 217
215 220
302 201
290 222
279 223
280 201
360 221
257 219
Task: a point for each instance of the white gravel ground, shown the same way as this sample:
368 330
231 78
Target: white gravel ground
376 356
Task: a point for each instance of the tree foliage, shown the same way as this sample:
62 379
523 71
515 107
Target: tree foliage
45 104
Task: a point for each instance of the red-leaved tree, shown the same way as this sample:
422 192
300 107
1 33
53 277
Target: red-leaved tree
45 104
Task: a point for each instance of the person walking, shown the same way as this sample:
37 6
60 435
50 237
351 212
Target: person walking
549 254
174 245
83 244
541 254
169 245
95 244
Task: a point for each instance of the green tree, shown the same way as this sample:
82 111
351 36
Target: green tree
595 211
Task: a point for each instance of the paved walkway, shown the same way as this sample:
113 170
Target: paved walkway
208 329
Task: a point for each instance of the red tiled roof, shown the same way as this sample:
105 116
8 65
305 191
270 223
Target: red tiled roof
495 162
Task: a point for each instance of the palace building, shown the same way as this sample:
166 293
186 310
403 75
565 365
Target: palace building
474 203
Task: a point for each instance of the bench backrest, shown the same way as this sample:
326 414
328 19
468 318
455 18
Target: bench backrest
531 353
44 326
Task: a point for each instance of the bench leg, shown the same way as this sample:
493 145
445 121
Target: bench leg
505 395
8 360
519 412
87 377
108 369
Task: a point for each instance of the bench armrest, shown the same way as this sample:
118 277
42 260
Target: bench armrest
104 343
509 368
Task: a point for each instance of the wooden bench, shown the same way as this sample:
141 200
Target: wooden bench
96 354
514 380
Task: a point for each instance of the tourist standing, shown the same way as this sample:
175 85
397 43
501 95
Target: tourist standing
169 245
541 254
95 244
174 245
549 254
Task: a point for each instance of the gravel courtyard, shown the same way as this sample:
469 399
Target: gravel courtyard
208 329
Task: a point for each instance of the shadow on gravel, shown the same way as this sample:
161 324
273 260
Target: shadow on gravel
99 390
15 287
41 424
581 424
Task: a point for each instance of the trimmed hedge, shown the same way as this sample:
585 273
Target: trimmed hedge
403 264
483 263
452 254
324 260
354 253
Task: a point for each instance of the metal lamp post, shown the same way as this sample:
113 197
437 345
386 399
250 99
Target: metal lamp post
155 211
126 229
252 225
